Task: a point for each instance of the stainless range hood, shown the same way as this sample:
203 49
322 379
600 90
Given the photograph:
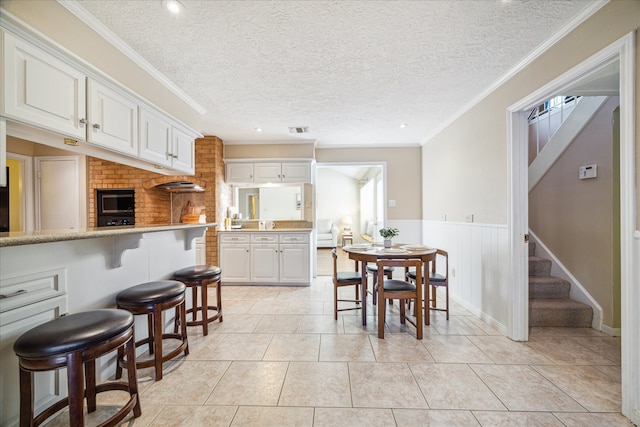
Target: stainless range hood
181 187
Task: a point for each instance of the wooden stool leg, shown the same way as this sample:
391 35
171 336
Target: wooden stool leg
219 296
90 378
119 361
157 340
132 375
26 398
75 383
194 302
152 332
205 308
182 308
375 291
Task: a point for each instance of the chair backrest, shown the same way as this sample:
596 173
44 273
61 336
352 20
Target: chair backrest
441 255
334 254
406 263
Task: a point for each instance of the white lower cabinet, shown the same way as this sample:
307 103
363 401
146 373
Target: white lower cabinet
50 386
265 257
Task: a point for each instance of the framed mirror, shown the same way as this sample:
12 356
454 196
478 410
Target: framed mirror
282 202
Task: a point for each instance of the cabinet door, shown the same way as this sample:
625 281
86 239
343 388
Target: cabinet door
155 137
113 119
50 386
239 172
41 90
267 172
234 262
183 150
296 172
264 263
294 263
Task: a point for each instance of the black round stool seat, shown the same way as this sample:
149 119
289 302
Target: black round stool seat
151 299
75 332
374 267
201 276
75 342
198 272
150 293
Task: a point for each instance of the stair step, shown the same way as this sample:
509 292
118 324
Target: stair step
539 266
560 312
548 287
532 248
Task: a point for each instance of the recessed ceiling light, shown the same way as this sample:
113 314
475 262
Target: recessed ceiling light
258 129
173 6
403 125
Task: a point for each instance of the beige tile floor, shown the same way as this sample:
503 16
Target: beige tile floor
280 359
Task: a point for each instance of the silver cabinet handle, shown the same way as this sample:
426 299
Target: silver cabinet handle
83 121
15 294
96 126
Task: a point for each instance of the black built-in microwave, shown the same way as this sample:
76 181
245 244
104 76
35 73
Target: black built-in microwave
115 207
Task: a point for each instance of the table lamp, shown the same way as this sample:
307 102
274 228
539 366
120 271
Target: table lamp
347 221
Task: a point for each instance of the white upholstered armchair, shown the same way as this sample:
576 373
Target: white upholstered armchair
327 233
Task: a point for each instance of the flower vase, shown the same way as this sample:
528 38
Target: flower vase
387 243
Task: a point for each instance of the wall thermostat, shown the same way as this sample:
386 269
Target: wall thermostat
587 172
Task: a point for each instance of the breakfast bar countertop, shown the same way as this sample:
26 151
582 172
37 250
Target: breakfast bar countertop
48 236
271 230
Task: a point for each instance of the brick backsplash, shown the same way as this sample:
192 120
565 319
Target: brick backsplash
158 206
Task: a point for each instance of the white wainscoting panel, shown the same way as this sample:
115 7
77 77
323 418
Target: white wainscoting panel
478 266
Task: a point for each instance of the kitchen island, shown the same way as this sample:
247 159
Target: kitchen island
46 274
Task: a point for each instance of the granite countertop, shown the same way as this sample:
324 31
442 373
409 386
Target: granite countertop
48 236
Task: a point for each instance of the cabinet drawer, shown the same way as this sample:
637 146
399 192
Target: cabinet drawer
294 238
31 288
264 238
234 238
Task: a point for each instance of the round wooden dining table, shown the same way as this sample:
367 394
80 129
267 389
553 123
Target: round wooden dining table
367 252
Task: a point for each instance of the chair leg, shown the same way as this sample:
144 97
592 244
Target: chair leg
403 313
335 301
374 289
381 312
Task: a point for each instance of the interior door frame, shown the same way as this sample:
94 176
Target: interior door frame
623 51
27 196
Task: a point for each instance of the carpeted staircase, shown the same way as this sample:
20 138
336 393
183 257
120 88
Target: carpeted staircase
549 303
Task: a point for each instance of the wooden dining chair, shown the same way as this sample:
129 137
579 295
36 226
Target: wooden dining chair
438 277
402 290
342 279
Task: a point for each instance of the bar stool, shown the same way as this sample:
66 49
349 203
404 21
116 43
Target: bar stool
152 299
200 276
75 342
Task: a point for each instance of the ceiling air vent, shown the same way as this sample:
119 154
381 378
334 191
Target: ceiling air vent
299 129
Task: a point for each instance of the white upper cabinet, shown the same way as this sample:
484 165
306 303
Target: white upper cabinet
239 172
41 90
268 172
155 137
296 172
45 88
164 143
113 119
183 149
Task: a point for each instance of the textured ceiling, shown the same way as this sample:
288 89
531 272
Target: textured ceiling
352 71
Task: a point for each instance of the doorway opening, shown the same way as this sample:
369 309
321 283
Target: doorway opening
349 196
622 51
